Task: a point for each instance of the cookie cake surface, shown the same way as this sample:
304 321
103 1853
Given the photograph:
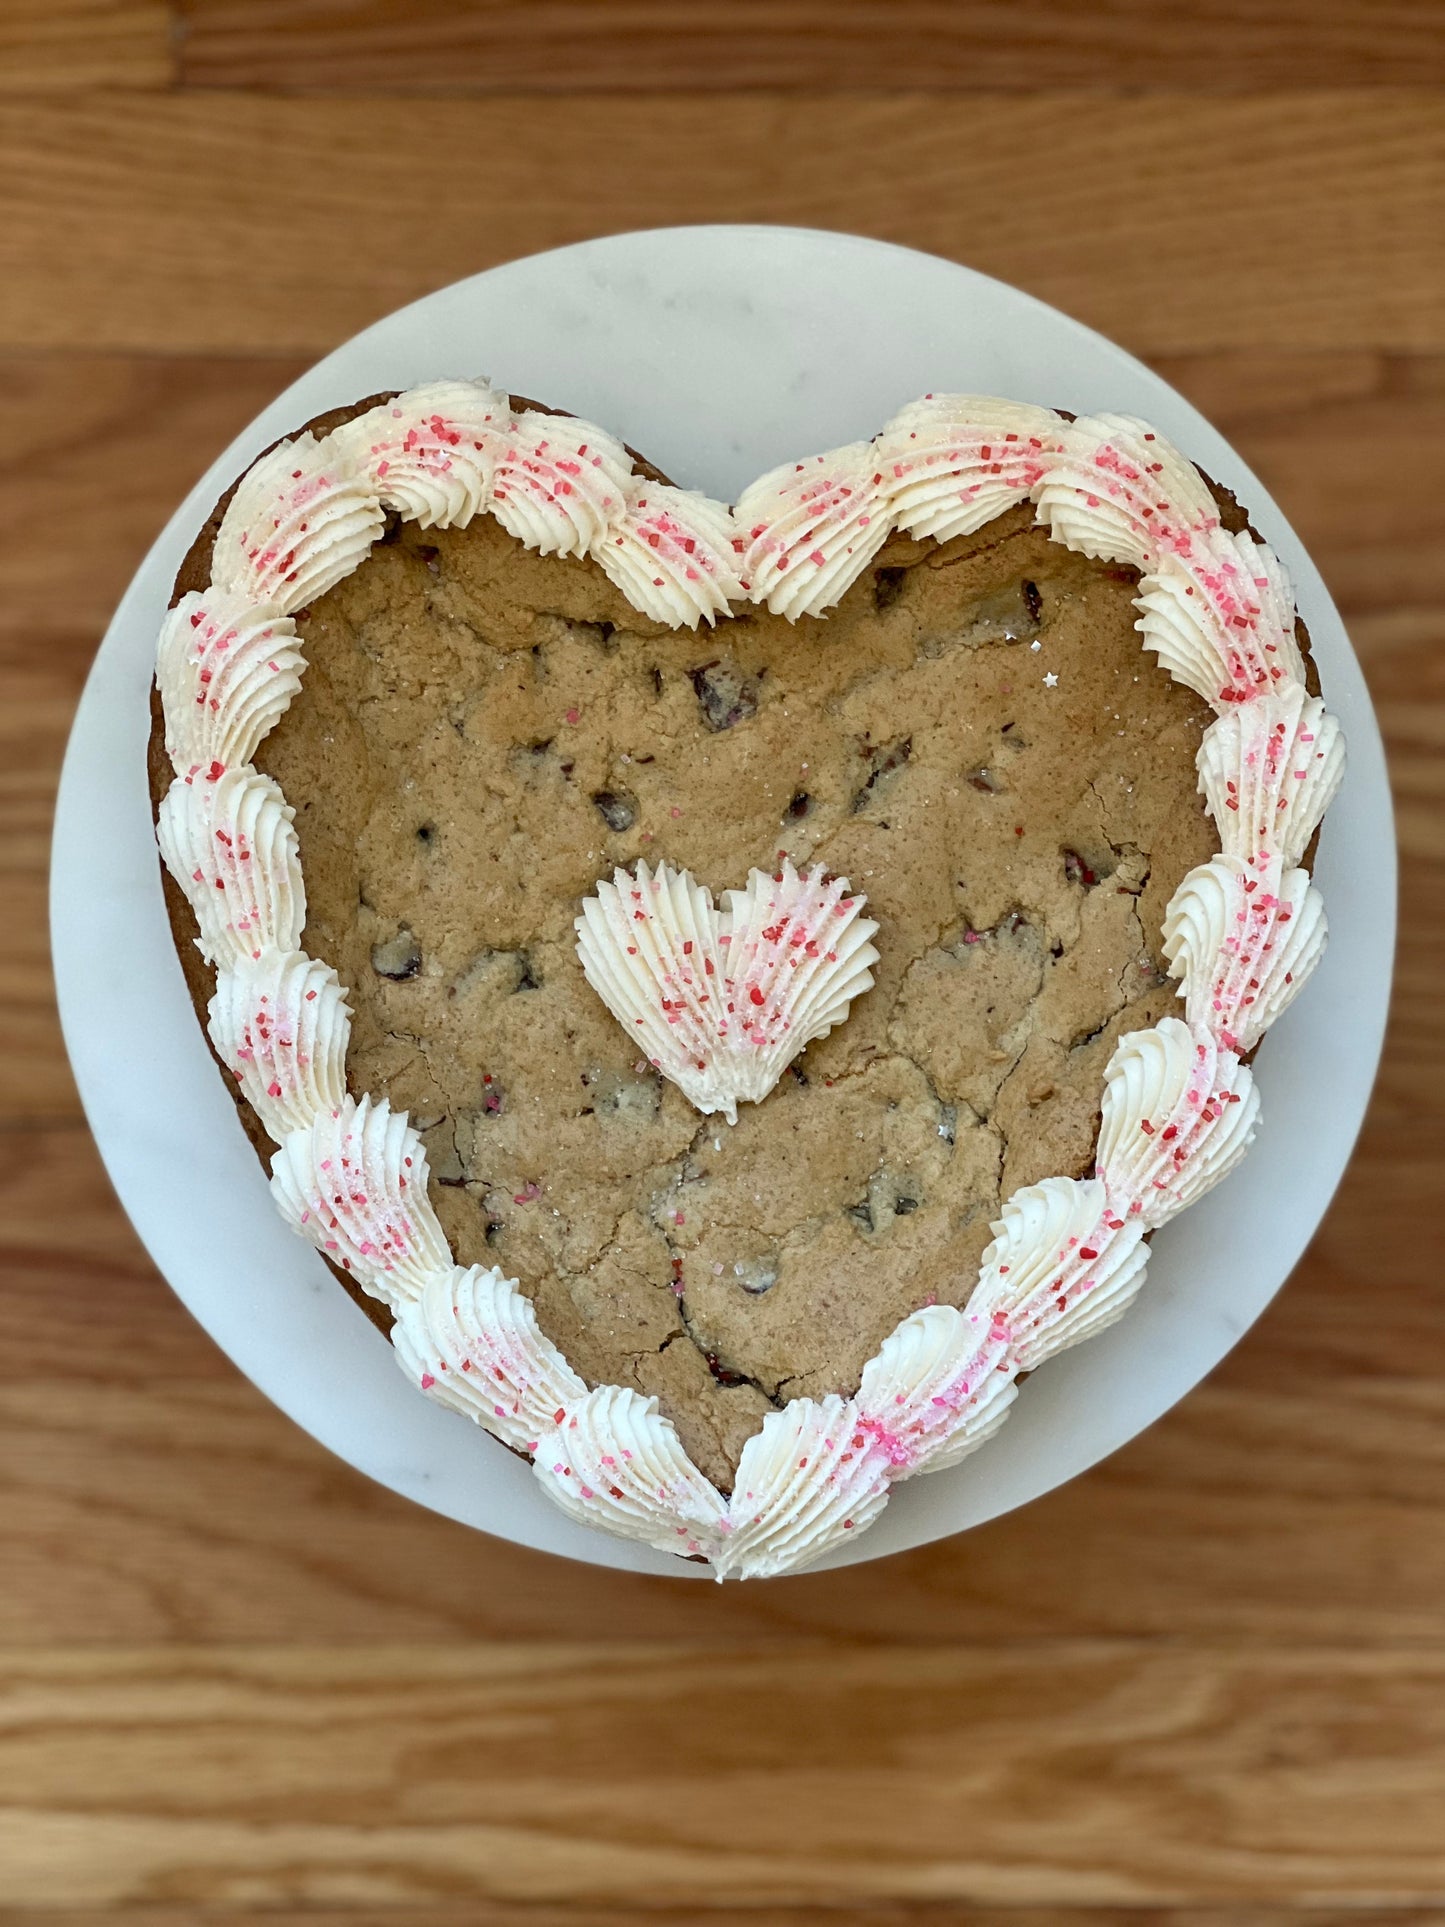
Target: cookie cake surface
452 683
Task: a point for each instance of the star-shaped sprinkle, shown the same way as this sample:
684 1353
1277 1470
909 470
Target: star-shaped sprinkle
1051 681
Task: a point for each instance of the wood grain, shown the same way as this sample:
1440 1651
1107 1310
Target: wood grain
478 1911
69 425
1354 446
649 46
1199 1687
1178 223
67 45
1118 1774
35 710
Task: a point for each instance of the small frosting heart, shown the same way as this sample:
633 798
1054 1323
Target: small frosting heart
723 1003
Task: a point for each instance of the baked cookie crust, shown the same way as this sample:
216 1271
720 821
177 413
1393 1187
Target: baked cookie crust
974 737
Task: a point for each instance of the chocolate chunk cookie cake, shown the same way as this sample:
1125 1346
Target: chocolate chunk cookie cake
733 991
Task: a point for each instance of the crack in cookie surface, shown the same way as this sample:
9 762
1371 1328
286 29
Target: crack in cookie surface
483 732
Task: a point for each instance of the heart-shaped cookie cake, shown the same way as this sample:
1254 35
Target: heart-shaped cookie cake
760 975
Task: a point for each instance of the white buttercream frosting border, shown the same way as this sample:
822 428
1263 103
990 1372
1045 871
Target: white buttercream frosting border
1069 1255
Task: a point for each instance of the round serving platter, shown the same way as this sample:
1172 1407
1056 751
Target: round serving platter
718 352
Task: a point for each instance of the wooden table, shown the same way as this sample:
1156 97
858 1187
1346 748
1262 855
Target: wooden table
1204 1684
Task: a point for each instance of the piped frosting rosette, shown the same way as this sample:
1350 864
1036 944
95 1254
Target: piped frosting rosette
1069 1254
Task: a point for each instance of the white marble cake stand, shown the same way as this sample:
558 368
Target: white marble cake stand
718 352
